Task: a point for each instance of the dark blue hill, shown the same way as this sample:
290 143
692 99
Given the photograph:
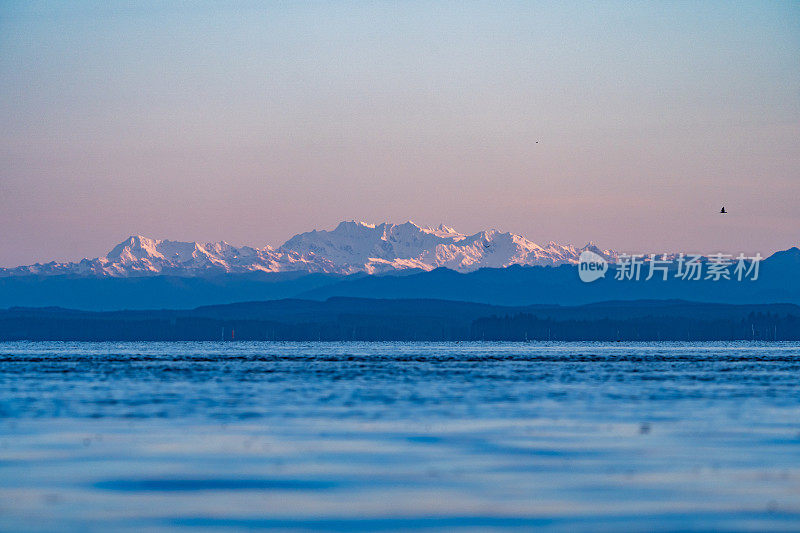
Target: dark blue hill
411 319
779 281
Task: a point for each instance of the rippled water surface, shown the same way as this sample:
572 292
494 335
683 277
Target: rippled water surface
389 436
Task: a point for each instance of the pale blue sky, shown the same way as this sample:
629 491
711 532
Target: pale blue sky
202 121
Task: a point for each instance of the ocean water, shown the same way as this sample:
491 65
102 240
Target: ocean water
399 436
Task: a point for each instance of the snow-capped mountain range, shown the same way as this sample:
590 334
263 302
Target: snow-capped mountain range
350 248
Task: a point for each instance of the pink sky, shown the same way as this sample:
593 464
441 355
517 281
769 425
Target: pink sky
256 123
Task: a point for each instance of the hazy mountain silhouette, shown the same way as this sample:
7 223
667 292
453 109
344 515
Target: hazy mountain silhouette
406 320
515 286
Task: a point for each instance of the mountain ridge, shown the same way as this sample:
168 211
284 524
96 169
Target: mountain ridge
352 247
513 285
358 319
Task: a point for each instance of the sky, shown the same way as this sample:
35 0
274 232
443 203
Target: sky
629 124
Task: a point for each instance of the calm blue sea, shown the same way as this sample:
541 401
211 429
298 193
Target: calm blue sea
399 436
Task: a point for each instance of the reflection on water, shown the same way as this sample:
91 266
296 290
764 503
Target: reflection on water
382 436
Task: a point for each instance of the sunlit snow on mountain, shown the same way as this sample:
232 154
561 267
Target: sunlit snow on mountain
351 247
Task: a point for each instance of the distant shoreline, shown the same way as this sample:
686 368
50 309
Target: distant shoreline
360 319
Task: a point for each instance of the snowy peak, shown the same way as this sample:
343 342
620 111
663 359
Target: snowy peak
137 247
352 246
360 247
151 255
131 245
141 247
